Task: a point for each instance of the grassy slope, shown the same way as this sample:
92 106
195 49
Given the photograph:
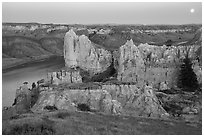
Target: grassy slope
81 123
19 49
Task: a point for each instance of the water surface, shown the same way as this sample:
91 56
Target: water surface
31 72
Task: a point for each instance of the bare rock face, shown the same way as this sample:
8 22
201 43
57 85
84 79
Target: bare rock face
70 55
131 64
154 65
135 101
110 99
81 52
198 71
23 99
163 86
64 76
68 99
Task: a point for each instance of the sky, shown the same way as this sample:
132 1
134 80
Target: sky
103 13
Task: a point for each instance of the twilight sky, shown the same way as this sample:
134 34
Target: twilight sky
101 13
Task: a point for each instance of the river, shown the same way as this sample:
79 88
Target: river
31 72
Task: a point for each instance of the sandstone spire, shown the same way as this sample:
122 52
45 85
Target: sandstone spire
70 55
79 51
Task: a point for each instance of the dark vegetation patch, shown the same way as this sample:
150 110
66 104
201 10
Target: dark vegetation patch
173 108
169 91
116 82
62 115
77 123
50 108
81 86
187 77
15 117
179 103
34 96
91 85
36 127
83 107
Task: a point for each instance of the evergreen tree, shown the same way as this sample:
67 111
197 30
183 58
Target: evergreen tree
187 77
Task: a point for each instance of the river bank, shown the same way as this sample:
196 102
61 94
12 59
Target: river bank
13 77
9 64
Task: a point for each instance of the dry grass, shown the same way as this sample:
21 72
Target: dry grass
28 126
84 123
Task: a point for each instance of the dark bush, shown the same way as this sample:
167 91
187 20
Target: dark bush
173 108
34 96
30 129
187 78
15 117
50 108
169 91
84 86
62 115
83 107
169 42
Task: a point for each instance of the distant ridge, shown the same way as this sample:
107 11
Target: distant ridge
98 24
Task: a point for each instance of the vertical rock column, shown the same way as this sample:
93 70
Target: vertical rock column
81 52
70 54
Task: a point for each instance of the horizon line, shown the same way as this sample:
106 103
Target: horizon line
95 23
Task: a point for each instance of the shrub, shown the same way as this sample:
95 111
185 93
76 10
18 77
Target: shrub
83 107
38 128
169 42
63 115
187 77
50 108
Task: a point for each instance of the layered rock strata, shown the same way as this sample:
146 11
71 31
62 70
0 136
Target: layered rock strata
110 99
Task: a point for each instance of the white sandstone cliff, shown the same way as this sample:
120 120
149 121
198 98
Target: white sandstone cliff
79 51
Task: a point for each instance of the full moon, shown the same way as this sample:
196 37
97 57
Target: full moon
192 10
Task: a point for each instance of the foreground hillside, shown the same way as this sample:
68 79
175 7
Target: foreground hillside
81 123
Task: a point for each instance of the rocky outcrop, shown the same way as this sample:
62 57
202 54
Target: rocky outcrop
184 105
153 65
63 76
131 64
68 99
110 99
22 100
81 52
136 102
198 71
